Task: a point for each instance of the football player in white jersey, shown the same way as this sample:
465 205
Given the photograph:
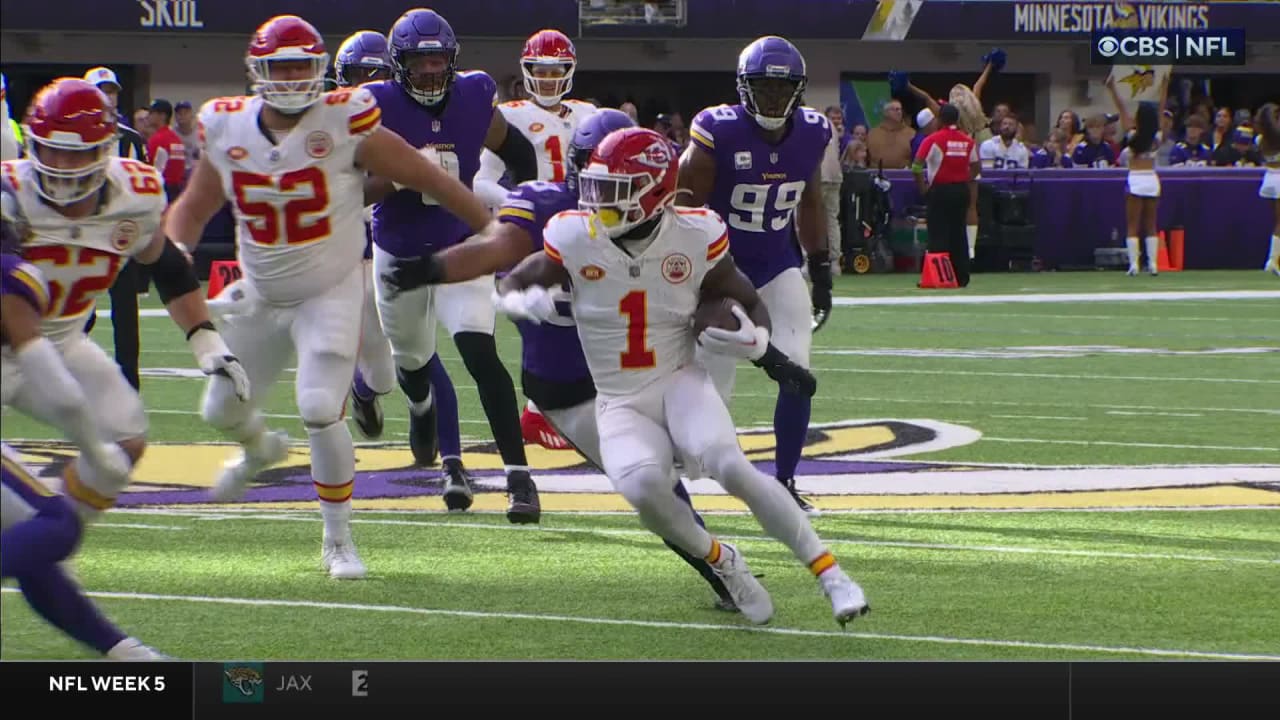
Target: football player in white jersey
638 268
89 212
549 120
293 160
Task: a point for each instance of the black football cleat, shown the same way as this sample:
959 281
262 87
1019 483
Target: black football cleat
458 495
523 507
422 436
367 413
805 505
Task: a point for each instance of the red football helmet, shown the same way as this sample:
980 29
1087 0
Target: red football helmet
298 82
629 180
548 51
70 129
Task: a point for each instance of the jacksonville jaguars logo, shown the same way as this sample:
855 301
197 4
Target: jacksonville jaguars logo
245 680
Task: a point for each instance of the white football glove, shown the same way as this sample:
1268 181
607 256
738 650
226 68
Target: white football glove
234 301
749 341
214 358
110 462
534 303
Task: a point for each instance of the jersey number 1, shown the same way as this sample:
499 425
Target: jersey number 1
557 158
636 357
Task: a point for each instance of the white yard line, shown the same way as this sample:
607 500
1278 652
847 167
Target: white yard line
964 299
1042 417
1016 403
138 526
1272 449
1152 413
1051 376
682 626
905 544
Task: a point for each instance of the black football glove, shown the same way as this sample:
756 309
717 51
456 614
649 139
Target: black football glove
820 276
412 273
791 377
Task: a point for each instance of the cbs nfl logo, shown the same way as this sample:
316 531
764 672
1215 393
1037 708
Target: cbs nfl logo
1169 47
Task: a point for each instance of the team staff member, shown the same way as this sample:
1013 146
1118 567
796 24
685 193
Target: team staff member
124 293
168 152
946 168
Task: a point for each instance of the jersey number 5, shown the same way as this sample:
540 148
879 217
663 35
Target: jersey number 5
635 306
750 201
308 193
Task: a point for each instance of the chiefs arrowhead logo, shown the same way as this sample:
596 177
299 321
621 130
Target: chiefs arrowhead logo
676 268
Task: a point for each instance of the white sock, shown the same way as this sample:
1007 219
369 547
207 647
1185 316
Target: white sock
1274 254
1131 243
508 469
1153 250
971 232
333 469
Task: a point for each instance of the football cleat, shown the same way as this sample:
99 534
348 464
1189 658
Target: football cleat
367 412
1272 266
805 505
536 429
748 594
847 599
423 441
341 560
457 485
132 650
523 506
272 449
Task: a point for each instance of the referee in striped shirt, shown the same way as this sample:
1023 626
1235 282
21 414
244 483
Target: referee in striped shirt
124 293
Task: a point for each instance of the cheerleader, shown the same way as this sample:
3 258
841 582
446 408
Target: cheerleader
1142 191
1267 123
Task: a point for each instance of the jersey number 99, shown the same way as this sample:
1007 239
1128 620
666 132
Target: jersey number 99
750 203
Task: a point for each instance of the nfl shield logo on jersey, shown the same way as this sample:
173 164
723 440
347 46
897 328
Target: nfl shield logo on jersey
435 126
676 268
773 158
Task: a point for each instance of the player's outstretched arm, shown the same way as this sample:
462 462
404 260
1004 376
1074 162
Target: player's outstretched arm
751 340
539 269
179 290
60 394
387 155
200 200
524 294
697 177
483 255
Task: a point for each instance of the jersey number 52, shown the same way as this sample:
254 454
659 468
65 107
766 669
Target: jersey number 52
751 202
307 193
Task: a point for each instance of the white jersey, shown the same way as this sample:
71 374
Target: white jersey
298 201
996 155
633 314
549 132
80 258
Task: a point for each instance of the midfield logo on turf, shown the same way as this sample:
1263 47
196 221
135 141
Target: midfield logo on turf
242 683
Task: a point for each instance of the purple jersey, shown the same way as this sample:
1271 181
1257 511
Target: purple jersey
1100 155
1041 159
550 351
1191 155
24 280
406 223
758 185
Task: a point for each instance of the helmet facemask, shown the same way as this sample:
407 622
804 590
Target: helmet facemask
290 80
615 199
67 168
771 99
423 74
547 80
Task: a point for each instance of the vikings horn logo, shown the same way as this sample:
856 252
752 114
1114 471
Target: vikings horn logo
1140 79
1125 16
244 679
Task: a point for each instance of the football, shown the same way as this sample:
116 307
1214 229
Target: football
715 312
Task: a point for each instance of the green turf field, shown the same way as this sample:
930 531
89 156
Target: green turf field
1075 476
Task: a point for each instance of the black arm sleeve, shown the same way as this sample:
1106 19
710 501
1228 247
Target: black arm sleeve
173 275
518 153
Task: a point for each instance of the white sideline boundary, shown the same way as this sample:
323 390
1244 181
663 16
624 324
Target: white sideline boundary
666 625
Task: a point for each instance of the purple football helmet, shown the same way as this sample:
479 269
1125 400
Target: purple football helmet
362 58
588 135
424 55
771 80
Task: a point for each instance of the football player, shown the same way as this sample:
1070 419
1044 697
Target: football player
548 120
757 164
364 57
554 373
292 159
89 212
638 268
450 116
1267 121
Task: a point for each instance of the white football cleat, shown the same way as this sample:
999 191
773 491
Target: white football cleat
847 598
132 650
341 560
747 592
1272 266
272 449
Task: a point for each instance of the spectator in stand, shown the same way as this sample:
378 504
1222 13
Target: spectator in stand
184 125
1192 151
1111 133
142 123
926 124
630 109
835 116
1168 137
1069 123
832 178
167 152
1053 153
1092 151
1222 127
856 155
1005 151
890 141
1241 152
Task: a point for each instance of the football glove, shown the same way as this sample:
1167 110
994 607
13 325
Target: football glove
412 273
790 377
748 342
535 304
214 358
820 276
